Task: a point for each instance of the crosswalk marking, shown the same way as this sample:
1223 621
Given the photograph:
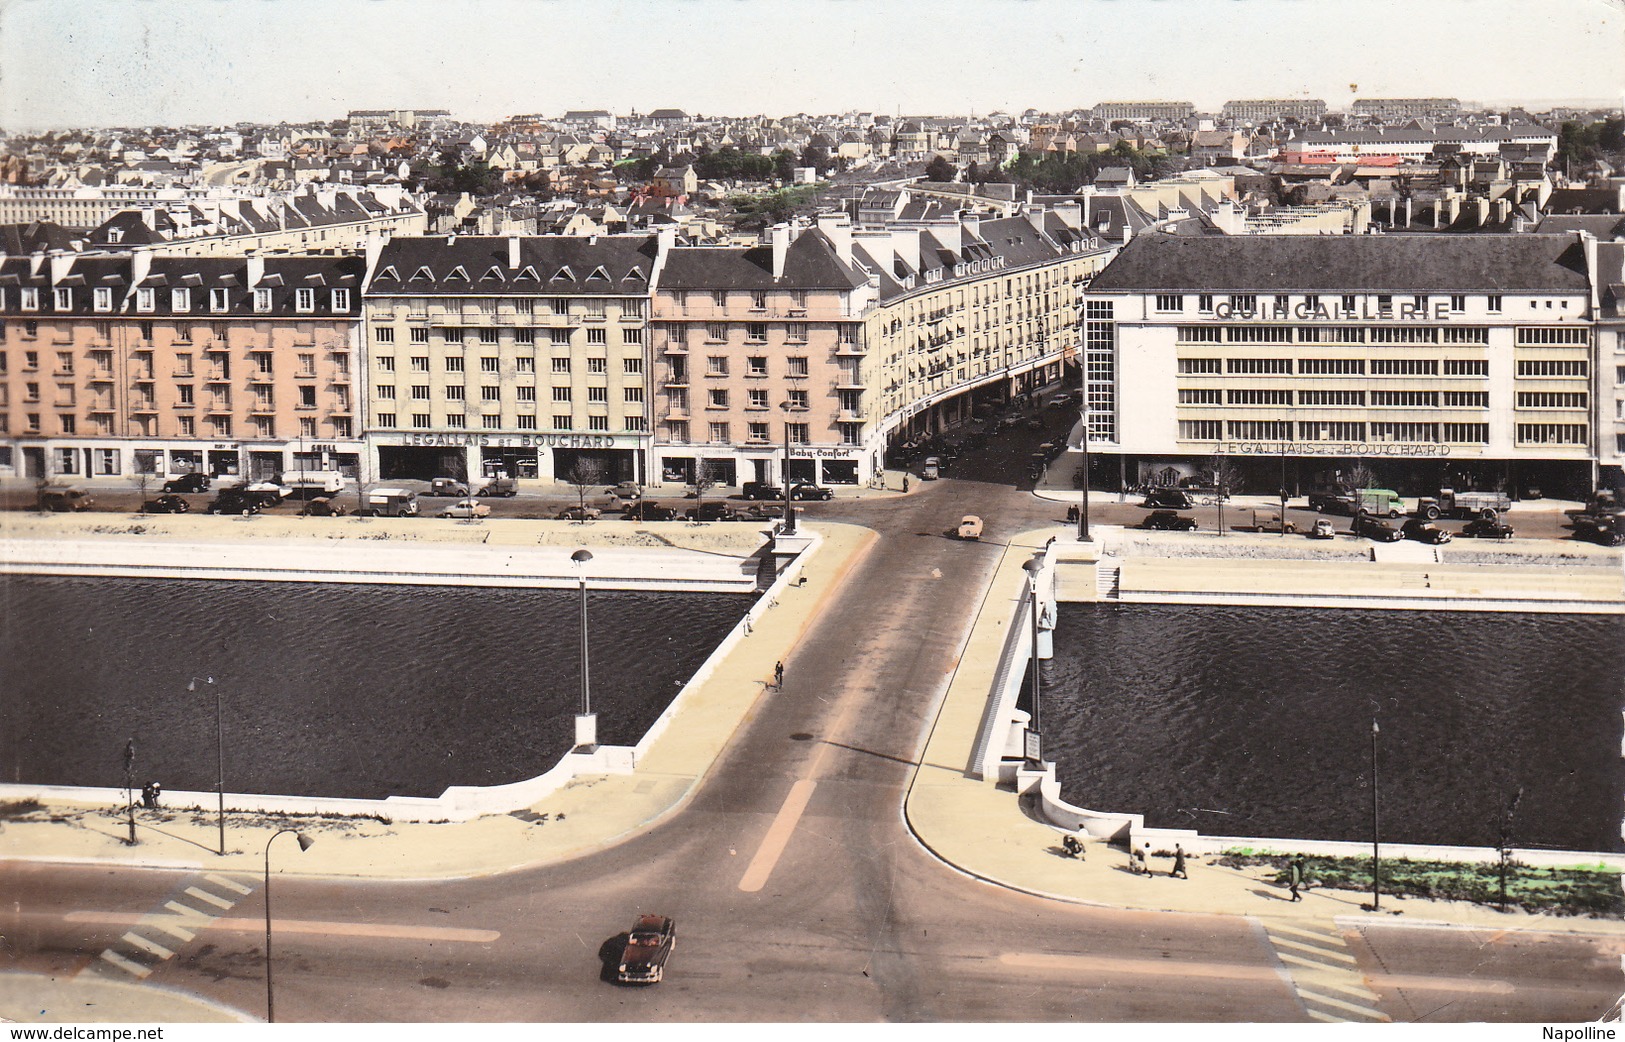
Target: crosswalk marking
227 884
1324 972
204 895
151 947
133 968
174 918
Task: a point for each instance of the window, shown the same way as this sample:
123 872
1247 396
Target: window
1258 430
632 366
186 426
1326 430
488 363
64 361
796 398
1259 334
1331 397
715 332
341 300
1552 399
488 335
717 398
757 431
1458 303
849 335
102 299
420 363
262 362
183 362
262 301
758 300
561 394
456 419
1170 302
1466 367
756 331
454 392
677 432
219 300
1413 432
524 336
561 422
851 433
1406 399
1466 433
1260 397
1258 365
597 365
796 433
598 394
1493 302
145 300
419 334
1570 369
1199 334
180 299
186 391
716 365
525 394
756 365
454 363
1404 367
420 420
796 365
384 335
386 419
304 299
491 421
632 335
632 394
1331 367
719 433
1553 335
307 365
525 423
307 397
1246 303
1466 399
420 392
1204 303
525 365
796 332
561 365
758 397
1199 366
386 391
386 363
598 423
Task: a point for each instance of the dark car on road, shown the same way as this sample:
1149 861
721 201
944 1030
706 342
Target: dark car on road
1168 521
1167 498
649 512
762 490
237 501
166 505
188 483
1604 529
1424 532
805 491
1486 528
322 506
648 946
1372 527
579 514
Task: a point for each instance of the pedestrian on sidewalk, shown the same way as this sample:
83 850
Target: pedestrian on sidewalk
905 482
1179 863
778 676
1295 876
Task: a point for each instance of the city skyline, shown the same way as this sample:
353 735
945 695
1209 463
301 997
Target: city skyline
213 62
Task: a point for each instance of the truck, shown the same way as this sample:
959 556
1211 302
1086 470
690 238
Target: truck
1340 499
58 500
1465 504
391 502
1601 520
308 483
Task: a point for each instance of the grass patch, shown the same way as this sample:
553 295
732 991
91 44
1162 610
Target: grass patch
1580 890
16 810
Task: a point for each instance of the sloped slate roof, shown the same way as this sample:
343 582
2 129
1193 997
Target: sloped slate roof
809 263
1353 263
549 265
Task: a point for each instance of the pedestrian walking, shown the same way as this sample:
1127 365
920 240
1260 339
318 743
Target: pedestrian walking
905 482
1179 863
1295 876
1073 846
778 676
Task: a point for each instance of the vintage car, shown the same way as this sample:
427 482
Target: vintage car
447 487
806 491
970 527
467 509
576 514
322 506
1168 498
762 490
166 505
1322 529
1168 521
1424 532
188 483
1373 527
237 501
646 511
1486 528
625 490
64 500
648 945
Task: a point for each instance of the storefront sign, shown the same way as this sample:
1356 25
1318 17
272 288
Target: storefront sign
1316 448
806 453
1437 311
514 441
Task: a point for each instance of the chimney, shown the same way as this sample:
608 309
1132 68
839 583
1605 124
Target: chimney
837 228
513 253
1035 217
780 239
1588 244
256 269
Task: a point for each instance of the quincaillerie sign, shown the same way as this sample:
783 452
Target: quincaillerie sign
1318 448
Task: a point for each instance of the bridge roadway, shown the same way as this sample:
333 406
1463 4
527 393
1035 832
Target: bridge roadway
798 891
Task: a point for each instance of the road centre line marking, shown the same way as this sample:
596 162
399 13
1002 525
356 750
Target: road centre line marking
400 931
778 836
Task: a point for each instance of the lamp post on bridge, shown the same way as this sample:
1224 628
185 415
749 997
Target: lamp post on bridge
219 754
586 722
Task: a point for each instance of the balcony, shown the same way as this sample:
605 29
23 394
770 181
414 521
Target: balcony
851 351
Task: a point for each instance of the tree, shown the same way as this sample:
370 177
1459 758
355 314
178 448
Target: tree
1225 477
584 474
939 169
784 165
815 156
707 473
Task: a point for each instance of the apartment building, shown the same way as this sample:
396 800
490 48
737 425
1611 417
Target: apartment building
1395 109
1432 359
1263 110
1144 111
139 365
760 348
1609 287
520 355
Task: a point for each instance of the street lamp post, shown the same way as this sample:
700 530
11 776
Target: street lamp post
586 722
789 511
219 754
129 786
1283 488
1083 513
1376 851
305 843
1035 733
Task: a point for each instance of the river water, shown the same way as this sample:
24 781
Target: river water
1258 722
329 689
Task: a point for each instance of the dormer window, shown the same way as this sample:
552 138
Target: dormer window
493 273
64 299
180 300
219 300
262 301
304 300
423 274
530 273
459 272
115 235
145 300
390 273
341 300
29 300
102 298
565 274
598 273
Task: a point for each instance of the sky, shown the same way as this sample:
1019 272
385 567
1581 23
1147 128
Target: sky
73 63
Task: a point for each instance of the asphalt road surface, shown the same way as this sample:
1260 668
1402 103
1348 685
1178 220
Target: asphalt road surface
798 892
